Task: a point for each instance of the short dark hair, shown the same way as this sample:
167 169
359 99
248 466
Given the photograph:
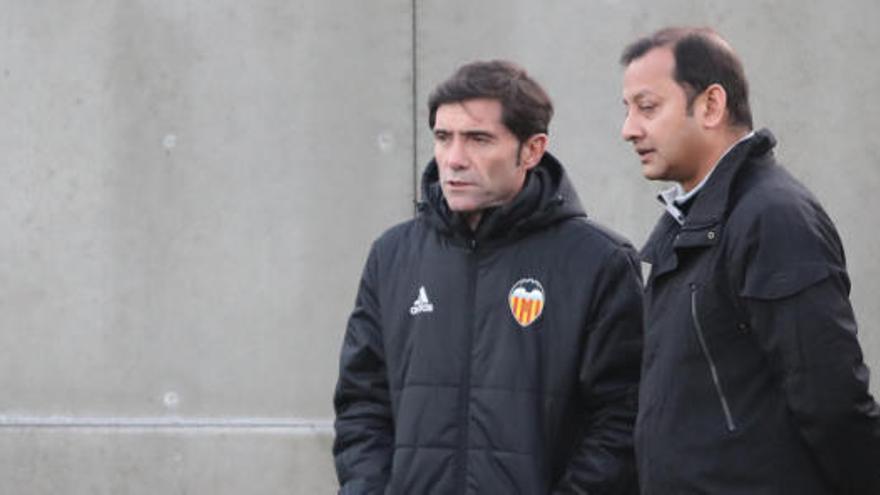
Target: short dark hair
702 58
526 109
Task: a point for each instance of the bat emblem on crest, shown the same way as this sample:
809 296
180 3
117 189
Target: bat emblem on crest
527 300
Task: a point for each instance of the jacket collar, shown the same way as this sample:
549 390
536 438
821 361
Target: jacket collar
675 197
703 224
711 203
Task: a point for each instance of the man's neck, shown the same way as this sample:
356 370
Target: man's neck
715 153
473 219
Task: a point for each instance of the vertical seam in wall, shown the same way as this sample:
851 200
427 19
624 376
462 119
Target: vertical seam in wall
415 112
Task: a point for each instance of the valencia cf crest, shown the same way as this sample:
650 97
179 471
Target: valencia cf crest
526 301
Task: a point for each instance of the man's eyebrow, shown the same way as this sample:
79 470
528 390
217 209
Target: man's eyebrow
641 95
466 132
478 133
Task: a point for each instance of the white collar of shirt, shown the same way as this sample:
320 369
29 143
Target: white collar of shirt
676 196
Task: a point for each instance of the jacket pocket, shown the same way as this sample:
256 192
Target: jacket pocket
783 282
713 370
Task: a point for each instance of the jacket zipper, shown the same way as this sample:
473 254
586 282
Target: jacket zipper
464 393
731 427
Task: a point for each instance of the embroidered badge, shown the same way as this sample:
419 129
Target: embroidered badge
421 304
526 301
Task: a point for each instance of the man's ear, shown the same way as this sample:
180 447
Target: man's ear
532 150
713 106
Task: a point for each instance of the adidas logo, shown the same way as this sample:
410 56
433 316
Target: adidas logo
421 304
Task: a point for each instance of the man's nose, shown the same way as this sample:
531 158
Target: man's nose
456 155
631 129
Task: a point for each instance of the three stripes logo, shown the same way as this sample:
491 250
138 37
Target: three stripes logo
526 301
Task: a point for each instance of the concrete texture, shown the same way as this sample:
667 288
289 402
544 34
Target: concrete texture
187 193
189 190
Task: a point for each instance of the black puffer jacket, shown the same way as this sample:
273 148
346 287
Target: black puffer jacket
500 361
753 379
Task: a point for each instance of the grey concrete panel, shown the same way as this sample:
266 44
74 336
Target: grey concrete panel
189 190
147 462
812 67
188 193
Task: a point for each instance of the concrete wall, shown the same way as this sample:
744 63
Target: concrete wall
189 189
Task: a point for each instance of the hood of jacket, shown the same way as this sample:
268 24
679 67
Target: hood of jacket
547 197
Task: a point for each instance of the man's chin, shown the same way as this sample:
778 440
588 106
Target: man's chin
652 173
463 209
463 206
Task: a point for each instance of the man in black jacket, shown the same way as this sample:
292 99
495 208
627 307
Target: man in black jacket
495 343
753 380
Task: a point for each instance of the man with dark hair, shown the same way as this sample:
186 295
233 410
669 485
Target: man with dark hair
753 380
495 343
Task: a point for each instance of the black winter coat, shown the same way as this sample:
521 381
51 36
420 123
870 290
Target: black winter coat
500 361
753 379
